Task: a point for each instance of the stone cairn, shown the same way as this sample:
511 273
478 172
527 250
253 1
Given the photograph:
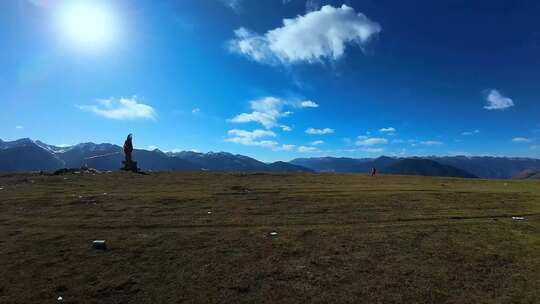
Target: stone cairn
129 164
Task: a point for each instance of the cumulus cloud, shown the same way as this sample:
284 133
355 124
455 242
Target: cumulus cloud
387 130
266 111
252 138
469 133
370 141
308 104
314 131
431 143
314 37
496 101
285 128
121 109
304 149
317 142
521 140
256 138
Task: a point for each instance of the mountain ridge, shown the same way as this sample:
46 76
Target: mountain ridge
28 155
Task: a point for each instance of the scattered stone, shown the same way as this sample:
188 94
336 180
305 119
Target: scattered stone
273 233
82 170
99 244
209 212
1 188
518 218
60 299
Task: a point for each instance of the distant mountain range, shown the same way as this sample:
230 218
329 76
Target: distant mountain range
528 174
28 155
480 166
425 167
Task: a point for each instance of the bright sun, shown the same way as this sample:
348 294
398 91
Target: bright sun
88 25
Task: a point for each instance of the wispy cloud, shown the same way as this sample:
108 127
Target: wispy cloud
304 149
521 140
235 5
496 101
469 133
313 131
372 150
196 111
308 104
317 36
317 142
387 130
19 127
121 109
431 143
371 141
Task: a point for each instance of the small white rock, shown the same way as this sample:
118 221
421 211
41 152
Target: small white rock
273 233
60 299
209 212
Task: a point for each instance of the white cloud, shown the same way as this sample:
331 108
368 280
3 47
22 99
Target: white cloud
387 130
287 147
431 143
304 149
370 141
521 140
308 104
121 109
469 133
19 127
196 110
266 111
372 150
496 101
152 147
313 131
317 142
255 138
312 5
285 128
235 5
317 36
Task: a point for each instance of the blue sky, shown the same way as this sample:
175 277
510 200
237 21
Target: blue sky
275 79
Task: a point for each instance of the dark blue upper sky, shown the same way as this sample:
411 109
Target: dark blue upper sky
343 78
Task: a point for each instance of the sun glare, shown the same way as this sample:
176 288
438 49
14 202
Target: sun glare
88 25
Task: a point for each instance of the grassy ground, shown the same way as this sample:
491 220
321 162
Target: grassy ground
205 238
